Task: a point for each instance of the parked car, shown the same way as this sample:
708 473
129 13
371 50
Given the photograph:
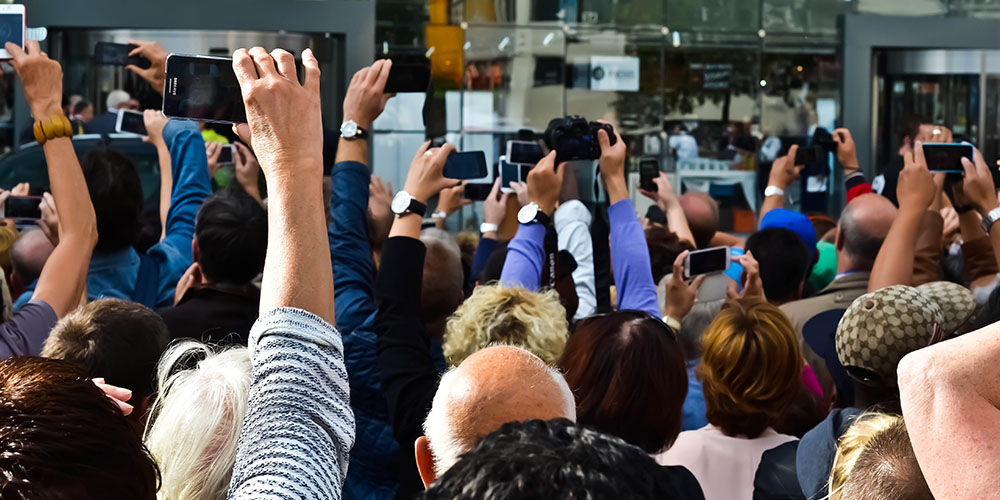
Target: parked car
27 163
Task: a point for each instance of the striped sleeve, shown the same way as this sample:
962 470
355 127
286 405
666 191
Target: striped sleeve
299 426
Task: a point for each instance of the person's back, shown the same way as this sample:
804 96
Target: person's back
220 303
113 339
63 438
559 460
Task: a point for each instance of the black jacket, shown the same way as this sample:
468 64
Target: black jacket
213 315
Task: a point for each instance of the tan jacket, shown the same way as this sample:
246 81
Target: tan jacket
837 295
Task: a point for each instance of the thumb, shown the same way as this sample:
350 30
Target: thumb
242 130
697 282
603 140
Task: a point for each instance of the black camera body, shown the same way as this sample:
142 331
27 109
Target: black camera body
574 138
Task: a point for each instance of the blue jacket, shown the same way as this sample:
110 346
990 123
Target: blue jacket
373 471
115 274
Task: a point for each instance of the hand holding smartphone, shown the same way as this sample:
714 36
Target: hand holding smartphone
117 54
465 165
707 261
21 208
947 158
12 27
512 172
408 78
130 122
649 170
202 88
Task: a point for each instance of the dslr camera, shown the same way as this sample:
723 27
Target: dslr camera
574 138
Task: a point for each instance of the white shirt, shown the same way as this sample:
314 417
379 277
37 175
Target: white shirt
725 466
572 223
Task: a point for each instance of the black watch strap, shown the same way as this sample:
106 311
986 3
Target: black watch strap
541 218
417 208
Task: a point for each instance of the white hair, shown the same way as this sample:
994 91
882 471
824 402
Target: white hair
197 417
433 235
441 431
116 98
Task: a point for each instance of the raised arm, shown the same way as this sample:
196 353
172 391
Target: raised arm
572 222
977 188
915 191
949 394
784 171
667 200
350 250
155 121
63 277
526 252
494 211
299 397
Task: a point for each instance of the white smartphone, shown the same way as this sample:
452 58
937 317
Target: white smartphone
509 172
131 122
707 261
12 27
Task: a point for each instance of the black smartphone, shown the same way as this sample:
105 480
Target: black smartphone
524 152
478 191
649 170
947 157
408 78
203 88
709 260
807 155
131 122
117 54
22 208
509 172
226 155
465 165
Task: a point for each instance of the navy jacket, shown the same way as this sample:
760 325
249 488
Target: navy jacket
374 466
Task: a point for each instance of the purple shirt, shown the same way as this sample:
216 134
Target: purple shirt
629 259
26 330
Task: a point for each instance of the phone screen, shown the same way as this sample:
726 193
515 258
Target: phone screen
131 121
710 260
226 155
116 54
649 169
478 191
408 78
22 207
524 152
11 29
203 89
509 172
808 155
947 157
465 165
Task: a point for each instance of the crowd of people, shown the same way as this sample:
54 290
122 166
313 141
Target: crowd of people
316 340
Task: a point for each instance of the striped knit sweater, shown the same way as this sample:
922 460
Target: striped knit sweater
299 427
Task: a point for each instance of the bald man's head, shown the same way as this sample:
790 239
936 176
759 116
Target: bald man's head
864 225
494 386
29 255
702 213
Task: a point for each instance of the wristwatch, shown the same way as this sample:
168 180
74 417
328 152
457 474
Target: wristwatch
351 131
774 191
991 218
403 203
532 214
440 214
488 227
672 323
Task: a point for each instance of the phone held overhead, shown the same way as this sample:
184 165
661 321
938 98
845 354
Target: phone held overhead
12 27
130 122
202 88
466 165
117 54
707 261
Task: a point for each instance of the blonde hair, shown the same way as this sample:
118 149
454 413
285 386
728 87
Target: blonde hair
874 460
497 314
196 419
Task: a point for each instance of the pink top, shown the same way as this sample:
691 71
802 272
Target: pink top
724 466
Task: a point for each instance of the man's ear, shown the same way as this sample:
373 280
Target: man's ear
194 249
839 240
425 461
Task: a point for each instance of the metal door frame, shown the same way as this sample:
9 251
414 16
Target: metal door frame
863 33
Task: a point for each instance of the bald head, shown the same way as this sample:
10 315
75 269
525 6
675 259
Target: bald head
494 386
702 213
29 254
864 225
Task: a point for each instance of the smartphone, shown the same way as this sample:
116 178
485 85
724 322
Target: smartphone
512 172
22 208
202 88
466 165
131 122
947 157
649 170
117 54
707 261
408 78
226 155
807 155
478 191
12 27
524 152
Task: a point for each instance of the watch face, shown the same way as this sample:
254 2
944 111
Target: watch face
527 213
349 129
400 203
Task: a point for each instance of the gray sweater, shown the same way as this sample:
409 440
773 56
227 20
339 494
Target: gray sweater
299 427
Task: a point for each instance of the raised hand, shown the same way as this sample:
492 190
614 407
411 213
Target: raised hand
613 166
285 126
49 223
41 78
155 121
495 206
426 175
156 74
847 153
680 294
247 169
977 187
916 189
753 287
784 171
212 151
664 196
365 99
451 199
545 183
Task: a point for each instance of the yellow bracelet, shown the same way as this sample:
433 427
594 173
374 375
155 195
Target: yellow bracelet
52 127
